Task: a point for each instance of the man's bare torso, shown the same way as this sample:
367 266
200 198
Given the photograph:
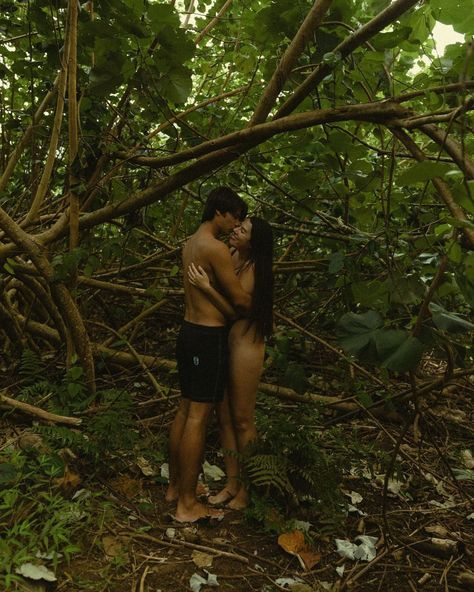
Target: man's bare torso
198 308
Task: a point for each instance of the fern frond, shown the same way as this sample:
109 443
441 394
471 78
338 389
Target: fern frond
37 390
269 471
31 366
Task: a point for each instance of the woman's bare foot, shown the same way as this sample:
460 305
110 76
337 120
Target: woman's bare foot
240 501
171 493
196 513
225 495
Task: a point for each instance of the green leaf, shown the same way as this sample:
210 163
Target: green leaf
331 58
357 323
406 356
423 171
75 372
388 341
336 262
365 399
441 229
358 330
8 268
176 85
458 13
454 251
374 294
295 378
391 39
8 473
74 389
449 321
161 15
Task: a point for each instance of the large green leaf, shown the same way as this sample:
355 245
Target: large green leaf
162 15
372 293
176 85
423 171
358 330
458 13
406 356
388 341
391 39
449 321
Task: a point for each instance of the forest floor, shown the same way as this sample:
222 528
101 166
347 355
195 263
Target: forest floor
417 528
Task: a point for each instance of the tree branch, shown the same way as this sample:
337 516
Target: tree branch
442 187
288 60
387 16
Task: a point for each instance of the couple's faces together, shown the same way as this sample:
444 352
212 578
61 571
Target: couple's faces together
240 231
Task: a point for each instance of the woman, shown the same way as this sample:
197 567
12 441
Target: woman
252 244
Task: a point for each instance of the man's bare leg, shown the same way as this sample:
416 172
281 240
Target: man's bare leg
191 451
228 442
176 433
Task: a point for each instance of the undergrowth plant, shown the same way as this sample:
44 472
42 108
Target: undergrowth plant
111 428
37 524
290 473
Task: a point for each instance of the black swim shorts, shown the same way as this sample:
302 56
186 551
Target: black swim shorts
202 354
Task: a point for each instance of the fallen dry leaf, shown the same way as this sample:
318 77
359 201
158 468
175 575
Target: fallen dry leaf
145 467
114 546
69 482
202 559
310 558
292 542
130 488
295 544
437 530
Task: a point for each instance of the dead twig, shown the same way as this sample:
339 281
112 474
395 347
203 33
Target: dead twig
37 412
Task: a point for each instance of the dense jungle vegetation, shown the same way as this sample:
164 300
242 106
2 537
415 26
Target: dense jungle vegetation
348 127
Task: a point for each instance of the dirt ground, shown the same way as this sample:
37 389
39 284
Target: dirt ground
423 533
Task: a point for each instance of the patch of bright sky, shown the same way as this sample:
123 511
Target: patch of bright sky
443 35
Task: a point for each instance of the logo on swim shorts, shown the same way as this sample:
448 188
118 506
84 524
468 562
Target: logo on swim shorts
196 361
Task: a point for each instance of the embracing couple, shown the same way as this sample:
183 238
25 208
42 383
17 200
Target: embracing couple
220 349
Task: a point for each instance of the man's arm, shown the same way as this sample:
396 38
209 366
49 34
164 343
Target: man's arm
221 263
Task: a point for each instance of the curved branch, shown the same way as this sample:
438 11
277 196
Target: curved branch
285 66
378 112
17 152
443 188
60 294
48 167
37 412
382 112
213 22
387 16
454 150
445 88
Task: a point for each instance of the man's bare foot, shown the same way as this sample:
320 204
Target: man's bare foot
224 496
239 501
196 513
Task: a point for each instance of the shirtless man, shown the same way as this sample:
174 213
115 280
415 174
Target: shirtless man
202 350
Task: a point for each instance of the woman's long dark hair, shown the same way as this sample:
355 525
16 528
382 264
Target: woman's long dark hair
261 256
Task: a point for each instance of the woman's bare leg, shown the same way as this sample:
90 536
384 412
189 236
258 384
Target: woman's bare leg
246 363
228 443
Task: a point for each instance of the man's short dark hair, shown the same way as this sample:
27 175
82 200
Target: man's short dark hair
224 199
